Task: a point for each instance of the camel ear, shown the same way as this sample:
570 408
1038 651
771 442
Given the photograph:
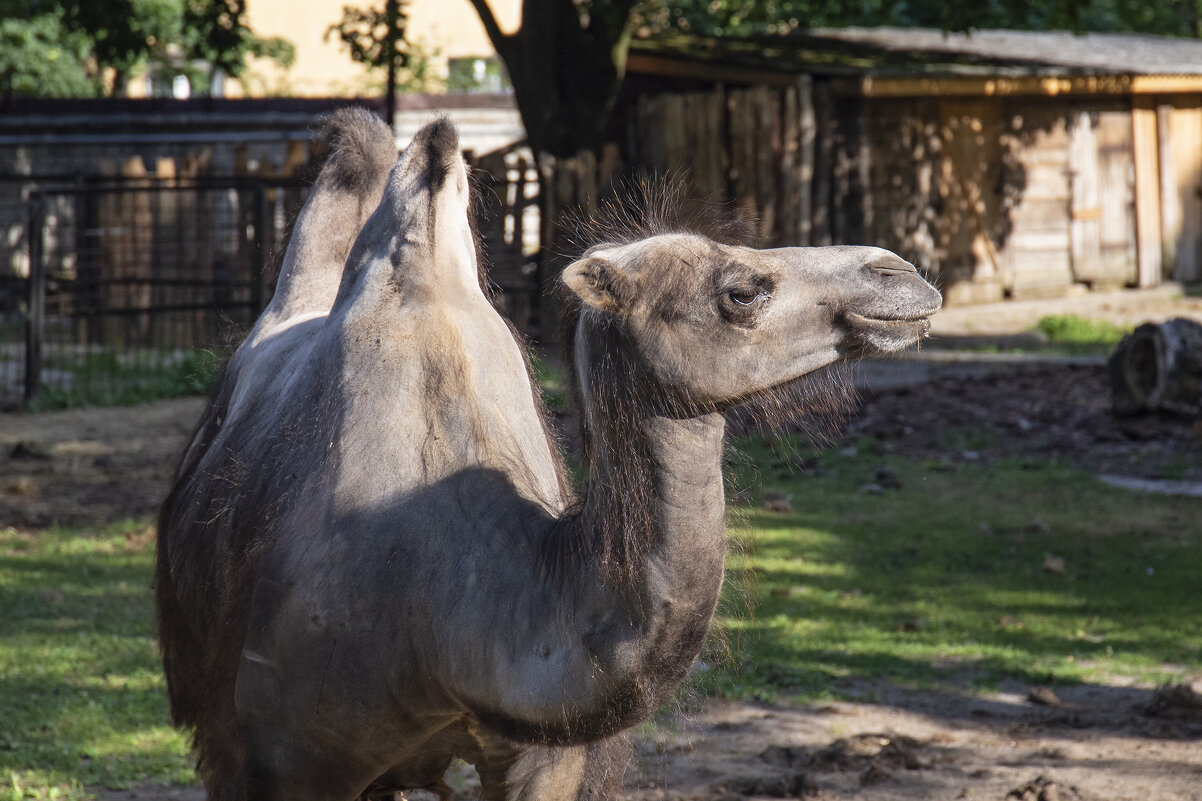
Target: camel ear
599 283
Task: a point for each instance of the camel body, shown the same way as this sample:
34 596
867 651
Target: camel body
370 562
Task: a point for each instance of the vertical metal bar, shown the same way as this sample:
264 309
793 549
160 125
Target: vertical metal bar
392 13
35 316
258 245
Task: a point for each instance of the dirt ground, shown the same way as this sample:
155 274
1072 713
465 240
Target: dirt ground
1091 743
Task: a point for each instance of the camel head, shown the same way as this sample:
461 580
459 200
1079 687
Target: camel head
716 324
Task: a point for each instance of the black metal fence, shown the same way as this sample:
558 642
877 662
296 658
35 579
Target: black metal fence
113 291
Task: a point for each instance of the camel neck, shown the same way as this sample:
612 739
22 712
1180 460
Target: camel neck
655 497
686 469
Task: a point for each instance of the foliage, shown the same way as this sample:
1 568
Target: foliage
72 48
108 378
476 74
942 581
746 17
40 56
1070 329
374 36
82 694
551 384
215 33
419 75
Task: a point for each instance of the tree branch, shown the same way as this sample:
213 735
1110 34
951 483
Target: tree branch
499 40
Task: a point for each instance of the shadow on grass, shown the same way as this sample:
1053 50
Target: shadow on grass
969 578
81 690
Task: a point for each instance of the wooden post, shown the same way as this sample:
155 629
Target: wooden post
766 141
1170 208
1185 162
805 166
790 176
1085 225
1147 190
823 164
258 249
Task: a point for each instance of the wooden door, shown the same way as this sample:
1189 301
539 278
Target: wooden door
1102 212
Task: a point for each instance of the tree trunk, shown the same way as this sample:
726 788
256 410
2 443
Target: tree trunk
1158 368
566 67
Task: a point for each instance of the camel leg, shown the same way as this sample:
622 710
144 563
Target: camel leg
513 772
510 772
278 770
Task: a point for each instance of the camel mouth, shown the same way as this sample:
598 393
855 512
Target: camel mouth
887 334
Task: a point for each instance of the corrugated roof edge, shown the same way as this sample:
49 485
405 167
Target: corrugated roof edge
919 52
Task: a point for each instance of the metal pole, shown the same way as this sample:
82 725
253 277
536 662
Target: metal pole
259 249
391 12
35 315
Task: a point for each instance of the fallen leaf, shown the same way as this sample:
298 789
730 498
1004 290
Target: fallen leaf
1043 696
1053 564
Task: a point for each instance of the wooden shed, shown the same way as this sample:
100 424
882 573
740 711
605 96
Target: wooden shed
1007 164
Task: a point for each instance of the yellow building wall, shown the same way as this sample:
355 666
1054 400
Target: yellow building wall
441 28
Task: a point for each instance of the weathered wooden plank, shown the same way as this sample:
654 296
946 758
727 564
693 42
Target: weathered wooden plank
742 149
824 161
1117 200
1186 151
718 161
1170 205
1147 191
1085 232
805 164
790 192
970 132
767 157
675 132
1037 250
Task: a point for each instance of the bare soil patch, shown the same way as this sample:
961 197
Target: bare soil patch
1034 411
87 466
1098 744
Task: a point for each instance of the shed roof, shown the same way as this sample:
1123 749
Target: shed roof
896 52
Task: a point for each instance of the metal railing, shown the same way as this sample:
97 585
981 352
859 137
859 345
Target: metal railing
118 290
122 289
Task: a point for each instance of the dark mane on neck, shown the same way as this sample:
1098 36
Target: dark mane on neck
637 209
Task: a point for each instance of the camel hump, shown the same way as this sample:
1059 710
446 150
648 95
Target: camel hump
362 151
361 148
421 233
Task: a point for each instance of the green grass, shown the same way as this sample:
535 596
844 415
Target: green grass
82 695
551 381
938 583
941 582
109 378
1069 329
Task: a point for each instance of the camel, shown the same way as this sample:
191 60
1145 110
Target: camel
371 561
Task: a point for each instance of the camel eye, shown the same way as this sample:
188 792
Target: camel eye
743 297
